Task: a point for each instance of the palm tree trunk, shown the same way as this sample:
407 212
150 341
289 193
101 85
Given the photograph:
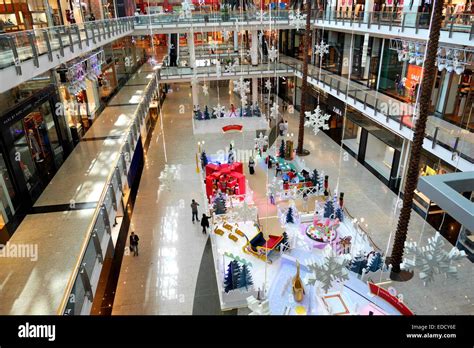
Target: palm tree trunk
304 83
429 75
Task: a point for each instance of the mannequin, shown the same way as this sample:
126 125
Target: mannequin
34 146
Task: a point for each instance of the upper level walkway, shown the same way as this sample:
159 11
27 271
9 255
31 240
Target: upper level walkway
71 224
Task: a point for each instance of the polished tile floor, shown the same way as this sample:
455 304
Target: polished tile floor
162 279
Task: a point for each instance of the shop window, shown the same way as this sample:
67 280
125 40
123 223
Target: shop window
379 156
351 136
7 194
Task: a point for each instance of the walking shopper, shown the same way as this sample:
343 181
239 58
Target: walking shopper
251 166
194 209
205 223
134 243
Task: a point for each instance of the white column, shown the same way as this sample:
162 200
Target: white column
236 41
195 93
254 90
410 13
346 54
368 8
192 53
254 47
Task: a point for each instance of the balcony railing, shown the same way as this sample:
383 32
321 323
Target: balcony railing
21 46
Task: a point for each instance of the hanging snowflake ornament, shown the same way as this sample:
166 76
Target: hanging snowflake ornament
168 176
186 9
230 67
317 120
274 111
218 110
272 54
268 85
205 89
241 86
275 187
245 212
262 16
261 141
332 269
244 100
321 49
432 259
297 19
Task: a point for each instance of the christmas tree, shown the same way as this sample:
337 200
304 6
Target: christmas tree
207 116
340 214
375 262
328 209
289 216
285 243
231 276
245 278
358 264
281 154
248 111
241 112
315 178
257 111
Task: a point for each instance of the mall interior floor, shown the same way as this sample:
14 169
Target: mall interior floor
163 279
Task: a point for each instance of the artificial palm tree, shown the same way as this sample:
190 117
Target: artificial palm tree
429 75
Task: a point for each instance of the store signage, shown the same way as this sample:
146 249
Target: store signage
393 300
233 127
414 75
335 106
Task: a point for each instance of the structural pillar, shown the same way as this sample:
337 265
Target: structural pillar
368 8
254 47
254 90
192 52
236 41
195 93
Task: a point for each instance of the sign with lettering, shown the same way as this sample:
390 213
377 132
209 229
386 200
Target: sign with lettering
335 106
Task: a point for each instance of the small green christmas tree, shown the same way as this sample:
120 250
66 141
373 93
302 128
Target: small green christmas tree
281 154
232 276
328 208
245 278
315 178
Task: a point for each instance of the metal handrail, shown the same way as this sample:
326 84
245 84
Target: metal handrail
149 90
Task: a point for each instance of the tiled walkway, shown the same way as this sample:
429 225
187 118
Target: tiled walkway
162 280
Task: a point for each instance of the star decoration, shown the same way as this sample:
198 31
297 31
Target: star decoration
268 85
297 19
272 54
432 259
321 49
332 269
205 89
317 120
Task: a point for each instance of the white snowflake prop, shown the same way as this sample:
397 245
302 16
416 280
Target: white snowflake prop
297 19
332 269
205 89
321 49
274 111
262 16
186 9
257 307
275 187
245 212
218 110
268 85
168 176
241 86
317 120
432 259
272 54
261 141
230 67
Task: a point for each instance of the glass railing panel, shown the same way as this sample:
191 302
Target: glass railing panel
76 298
90 257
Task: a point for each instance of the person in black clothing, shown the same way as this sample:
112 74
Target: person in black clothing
205 223
134 243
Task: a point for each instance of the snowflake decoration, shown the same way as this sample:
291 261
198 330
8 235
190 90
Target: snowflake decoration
321 49
229 68
297 19
205 89
168 176
332 269
317 120
268 85
262 16
272 54
186 9
274 111
244 100
218 110
261 141
241 86
226 35
432 259
275 187
245 212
